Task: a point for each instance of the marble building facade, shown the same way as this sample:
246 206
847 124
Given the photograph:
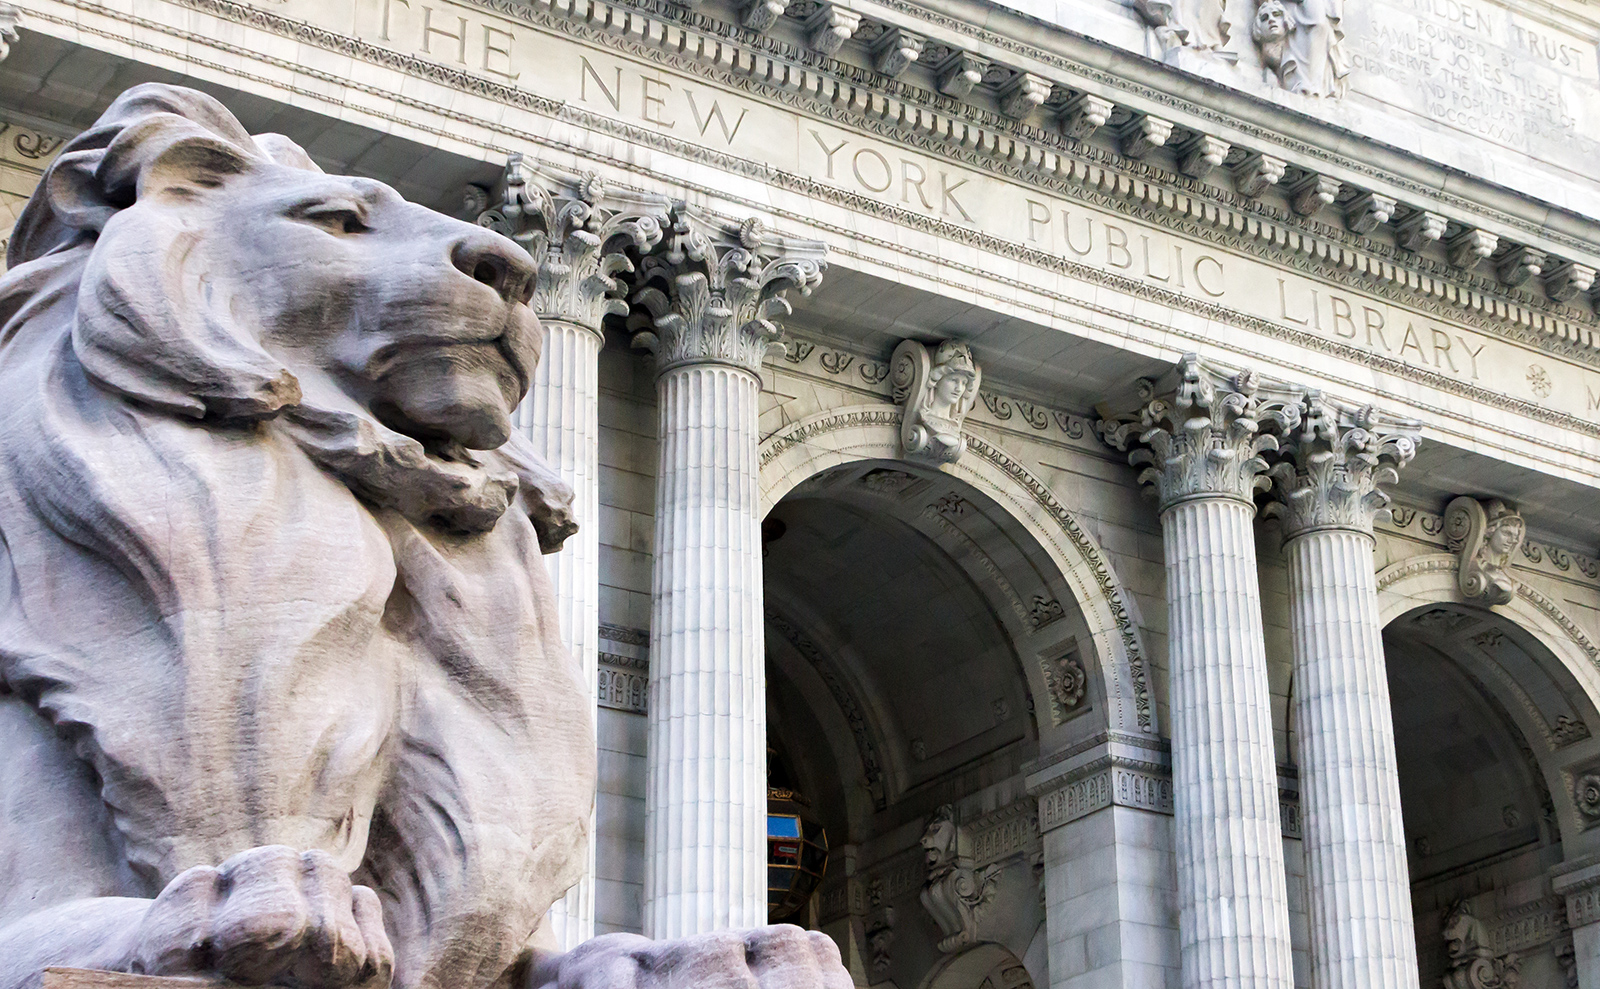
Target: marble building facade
1132 467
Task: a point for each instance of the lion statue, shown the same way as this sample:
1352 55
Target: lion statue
282 695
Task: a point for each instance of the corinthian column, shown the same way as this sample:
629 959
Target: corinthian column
1360 891
580 233
707 309
1203 444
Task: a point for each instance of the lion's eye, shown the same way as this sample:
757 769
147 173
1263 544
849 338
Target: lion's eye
336 217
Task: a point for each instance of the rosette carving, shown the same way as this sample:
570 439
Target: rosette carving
713 294
581 233
1205 437
1333 463
1487 534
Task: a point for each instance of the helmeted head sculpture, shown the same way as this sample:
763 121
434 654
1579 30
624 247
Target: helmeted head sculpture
282 692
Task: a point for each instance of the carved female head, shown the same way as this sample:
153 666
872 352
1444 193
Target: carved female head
950 383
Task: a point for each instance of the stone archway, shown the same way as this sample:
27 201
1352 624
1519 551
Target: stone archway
1494 712
983 966
829 439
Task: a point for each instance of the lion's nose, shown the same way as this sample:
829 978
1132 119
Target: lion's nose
496 262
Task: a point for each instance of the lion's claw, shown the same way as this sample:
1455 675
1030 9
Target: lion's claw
270 914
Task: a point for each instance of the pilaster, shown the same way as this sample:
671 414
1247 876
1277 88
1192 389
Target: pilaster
1579 884
707 307
1203 442
581 234
1358 887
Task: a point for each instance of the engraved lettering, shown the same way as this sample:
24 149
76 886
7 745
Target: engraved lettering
1088 234
715 114
1117 240
1283 304
907 182
1374 321
1412 342
829 152
460 37
490 49
1149 272
613 96
1441 351
1594 400
947 197
1342 317
1177 265
883 164
1473 354
1202 281
1038 215
386 3
653 104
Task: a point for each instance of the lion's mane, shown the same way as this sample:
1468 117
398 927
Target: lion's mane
259 614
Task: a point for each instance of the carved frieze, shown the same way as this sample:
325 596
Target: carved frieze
1206 437
1486 535
936 389
1333 463
708 294
581 233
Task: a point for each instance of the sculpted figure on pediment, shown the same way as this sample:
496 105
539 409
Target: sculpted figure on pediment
283 697
1199 25
935 390
1301 43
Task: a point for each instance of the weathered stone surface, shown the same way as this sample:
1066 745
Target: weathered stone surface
284 696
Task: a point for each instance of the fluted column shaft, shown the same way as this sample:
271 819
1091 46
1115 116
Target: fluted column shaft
1232 901
561 417
706 803
1360 890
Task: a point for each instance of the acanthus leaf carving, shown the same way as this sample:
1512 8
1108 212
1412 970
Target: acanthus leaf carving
710 294
579 230
1333 464
1486 535
955 893
1206 437
830 26
1083 114
1367 212
936 390
1257 173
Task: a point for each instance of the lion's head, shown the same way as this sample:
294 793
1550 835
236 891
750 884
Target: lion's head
227 278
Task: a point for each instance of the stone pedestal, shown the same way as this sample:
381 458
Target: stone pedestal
706 307
1202 442
1359 889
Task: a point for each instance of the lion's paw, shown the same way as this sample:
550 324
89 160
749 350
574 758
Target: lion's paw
268 915
777 957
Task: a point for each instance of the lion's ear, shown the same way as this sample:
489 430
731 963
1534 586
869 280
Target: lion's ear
285 152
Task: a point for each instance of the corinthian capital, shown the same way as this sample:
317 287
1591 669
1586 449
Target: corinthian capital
714 294
1205 436
1333 464
580 231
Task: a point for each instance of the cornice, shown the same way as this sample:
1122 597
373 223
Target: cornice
1016 150
850 200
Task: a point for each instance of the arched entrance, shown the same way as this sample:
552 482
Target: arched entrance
1483 712
920 642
